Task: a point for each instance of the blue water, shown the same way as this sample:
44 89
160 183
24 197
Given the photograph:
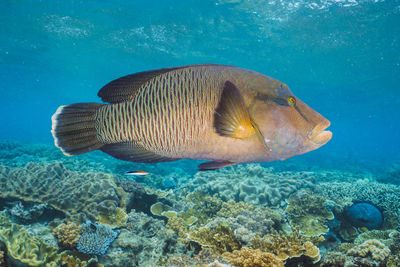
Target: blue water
340 57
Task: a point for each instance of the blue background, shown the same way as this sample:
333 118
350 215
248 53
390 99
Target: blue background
340 57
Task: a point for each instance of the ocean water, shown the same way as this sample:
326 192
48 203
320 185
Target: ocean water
341 57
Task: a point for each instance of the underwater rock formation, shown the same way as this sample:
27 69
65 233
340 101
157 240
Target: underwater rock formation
81 196
95 238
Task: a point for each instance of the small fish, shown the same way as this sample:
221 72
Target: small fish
137 173
364 229
223 114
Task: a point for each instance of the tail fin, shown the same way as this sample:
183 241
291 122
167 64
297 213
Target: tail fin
73 128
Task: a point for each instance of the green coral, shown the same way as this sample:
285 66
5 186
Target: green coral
307 212
26 248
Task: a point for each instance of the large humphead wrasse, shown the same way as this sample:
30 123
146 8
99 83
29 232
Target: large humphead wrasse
223 114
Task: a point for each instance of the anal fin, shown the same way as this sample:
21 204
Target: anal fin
130 151
214 165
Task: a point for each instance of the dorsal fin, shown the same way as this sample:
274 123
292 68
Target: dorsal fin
124 88
231 117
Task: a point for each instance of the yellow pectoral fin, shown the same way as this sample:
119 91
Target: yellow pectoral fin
231 117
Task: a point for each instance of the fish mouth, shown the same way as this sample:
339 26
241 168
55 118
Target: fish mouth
319 136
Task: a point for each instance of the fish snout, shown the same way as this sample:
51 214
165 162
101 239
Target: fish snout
319 136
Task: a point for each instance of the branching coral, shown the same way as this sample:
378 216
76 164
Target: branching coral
307 212
246 257
67 234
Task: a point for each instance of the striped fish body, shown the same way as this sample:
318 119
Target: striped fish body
172 115
208 112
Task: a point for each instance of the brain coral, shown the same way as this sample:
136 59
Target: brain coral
252 184
81 196
95 238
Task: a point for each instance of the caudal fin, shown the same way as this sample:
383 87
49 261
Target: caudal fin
73 128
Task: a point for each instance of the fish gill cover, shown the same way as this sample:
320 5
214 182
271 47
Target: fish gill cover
339 56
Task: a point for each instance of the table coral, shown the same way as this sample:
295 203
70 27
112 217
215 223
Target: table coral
307 212
67 234
246 257
80 196
95 238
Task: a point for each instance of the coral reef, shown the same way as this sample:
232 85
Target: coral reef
24 247
25 215
373 248
384 196
252 184
67 234
307 212
247 221
144 241
246 257
366 251
95 238
289 245
220 239
81 196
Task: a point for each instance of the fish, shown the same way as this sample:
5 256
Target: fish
137 173
221 114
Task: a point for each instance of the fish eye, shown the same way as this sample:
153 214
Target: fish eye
291 101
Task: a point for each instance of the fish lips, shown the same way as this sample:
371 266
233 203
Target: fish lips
319 136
